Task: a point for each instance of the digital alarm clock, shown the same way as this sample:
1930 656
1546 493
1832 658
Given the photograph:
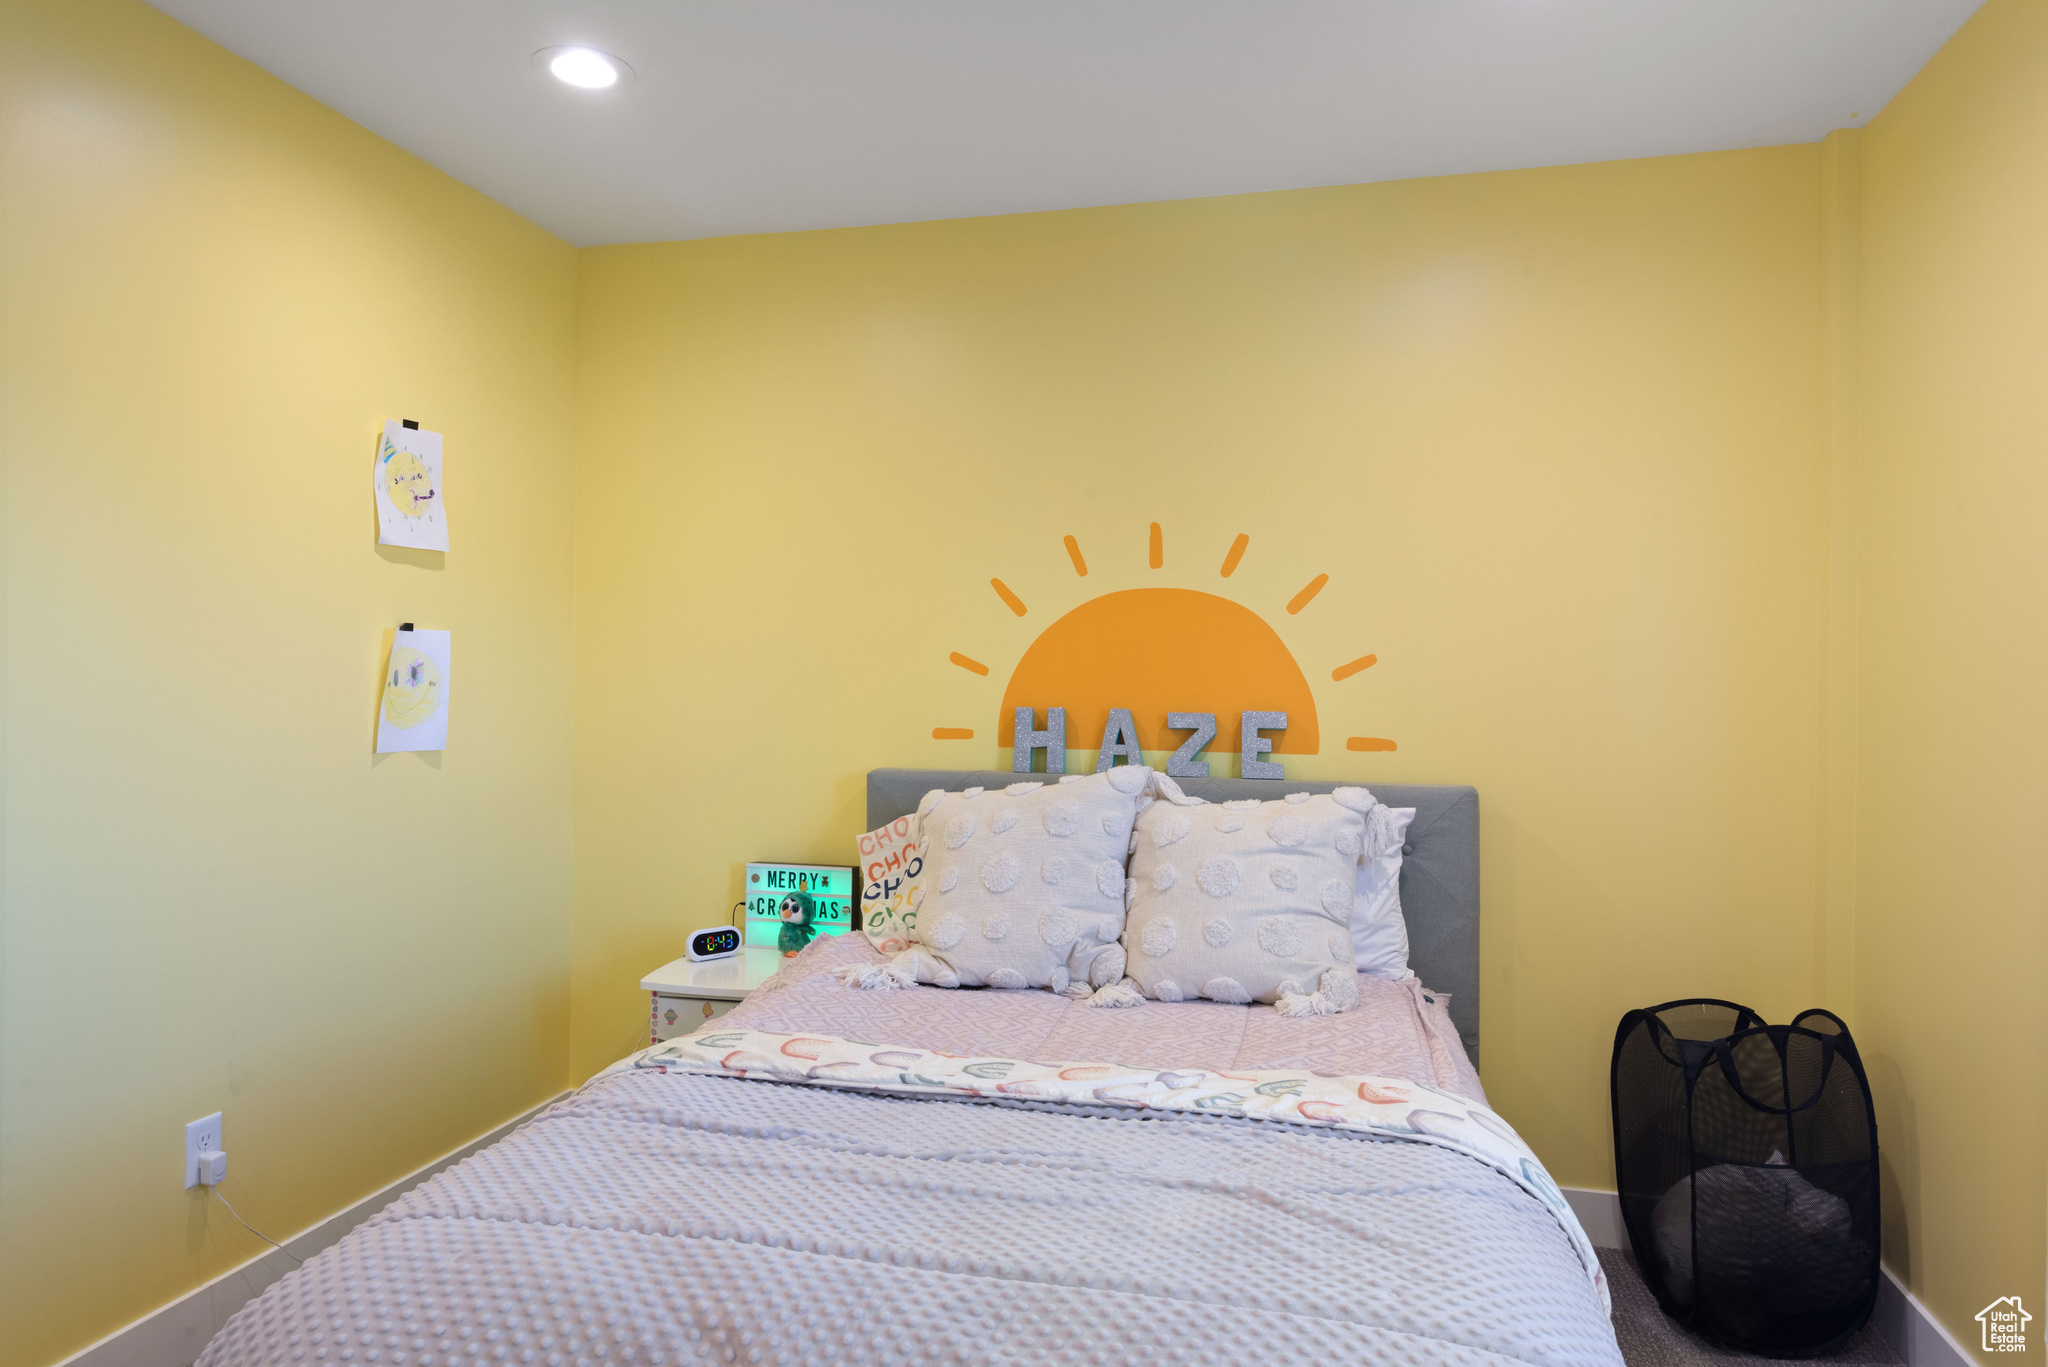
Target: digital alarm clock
714 942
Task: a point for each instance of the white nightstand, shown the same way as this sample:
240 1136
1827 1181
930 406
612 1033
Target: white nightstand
687 993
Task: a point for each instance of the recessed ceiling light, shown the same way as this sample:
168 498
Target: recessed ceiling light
580 66
584 67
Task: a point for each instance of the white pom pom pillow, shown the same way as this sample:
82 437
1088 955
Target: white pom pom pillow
1379 930
1023 886
1247 901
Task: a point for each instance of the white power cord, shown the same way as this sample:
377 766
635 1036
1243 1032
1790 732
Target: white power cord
216 1171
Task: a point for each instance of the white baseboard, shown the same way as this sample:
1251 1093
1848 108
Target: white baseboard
1599 1215
1914 1334
1900 1319
174 1334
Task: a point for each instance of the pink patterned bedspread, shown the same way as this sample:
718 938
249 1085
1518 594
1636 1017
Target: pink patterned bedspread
1399 1030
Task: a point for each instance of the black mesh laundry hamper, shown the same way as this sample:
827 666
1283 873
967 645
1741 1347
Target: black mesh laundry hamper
1746 1155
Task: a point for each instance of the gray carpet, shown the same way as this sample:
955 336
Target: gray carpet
1649 1338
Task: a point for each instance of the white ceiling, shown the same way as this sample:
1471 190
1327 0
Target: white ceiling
752 116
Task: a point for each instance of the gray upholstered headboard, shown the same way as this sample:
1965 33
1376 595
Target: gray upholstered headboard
1439 875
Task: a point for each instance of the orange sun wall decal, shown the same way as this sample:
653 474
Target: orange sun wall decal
1160 650
1157 651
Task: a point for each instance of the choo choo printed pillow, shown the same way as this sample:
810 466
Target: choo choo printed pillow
1023 886
1247 901
892 883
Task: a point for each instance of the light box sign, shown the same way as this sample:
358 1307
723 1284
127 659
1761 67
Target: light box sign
830 889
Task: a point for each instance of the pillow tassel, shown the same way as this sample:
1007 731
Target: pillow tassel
1116 995
1381 836
1337 993
1316 1003
907 969
882 977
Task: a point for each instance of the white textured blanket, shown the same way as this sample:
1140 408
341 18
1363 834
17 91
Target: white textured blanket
1377 1107
666 1215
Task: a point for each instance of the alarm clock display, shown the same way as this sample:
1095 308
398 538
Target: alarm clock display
832 891
716 942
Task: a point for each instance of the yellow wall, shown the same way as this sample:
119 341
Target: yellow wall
215 896
1559 438
1952 590
1687 504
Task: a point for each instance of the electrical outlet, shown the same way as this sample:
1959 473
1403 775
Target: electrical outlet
200 1137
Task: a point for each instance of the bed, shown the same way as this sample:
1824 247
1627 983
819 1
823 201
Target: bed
985 1176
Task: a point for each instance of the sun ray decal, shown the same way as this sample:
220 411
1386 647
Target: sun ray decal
1307 594
1236 554
1161 650
1074 554
1337 675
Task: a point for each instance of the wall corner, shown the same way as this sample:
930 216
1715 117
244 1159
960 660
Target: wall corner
1841 283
